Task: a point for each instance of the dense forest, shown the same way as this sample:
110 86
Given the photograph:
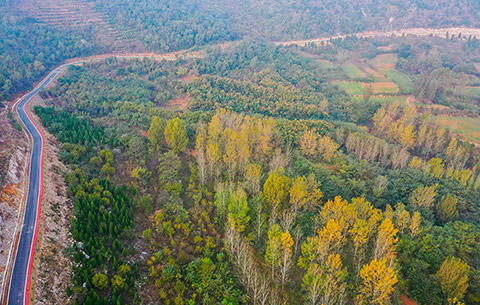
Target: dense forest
247 197
30 49
258 173
203 22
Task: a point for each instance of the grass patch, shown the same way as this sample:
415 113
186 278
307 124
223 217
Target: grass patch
467 128
353 72
351 88
403 81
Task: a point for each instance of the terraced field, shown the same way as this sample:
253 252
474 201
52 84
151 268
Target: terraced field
385 65
386 79
352 88
353 71
79 15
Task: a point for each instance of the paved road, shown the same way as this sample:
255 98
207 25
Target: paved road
19 292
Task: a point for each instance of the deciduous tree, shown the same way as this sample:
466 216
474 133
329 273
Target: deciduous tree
156 133
453 276
378 282
176 135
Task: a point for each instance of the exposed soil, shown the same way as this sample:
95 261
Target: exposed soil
13 153
180 102
407 301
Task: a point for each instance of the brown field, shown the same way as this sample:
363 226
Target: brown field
385 87
384 61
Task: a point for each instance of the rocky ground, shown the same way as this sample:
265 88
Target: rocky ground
13 153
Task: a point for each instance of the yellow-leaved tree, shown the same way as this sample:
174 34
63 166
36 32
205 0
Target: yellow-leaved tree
176 135
453 276
276 190
286 255
156 133
298 193
378 283
308 143
386 242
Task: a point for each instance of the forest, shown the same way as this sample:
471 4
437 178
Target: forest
207 22
343 172
265 188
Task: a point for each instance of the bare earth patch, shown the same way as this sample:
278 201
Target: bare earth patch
13 153
181 102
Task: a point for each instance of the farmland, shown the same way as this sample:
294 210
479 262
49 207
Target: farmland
465 127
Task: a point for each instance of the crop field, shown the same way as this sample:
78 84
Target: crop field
467 128
385 87
385 65
377 76
351 88
384 62
353 71
403 81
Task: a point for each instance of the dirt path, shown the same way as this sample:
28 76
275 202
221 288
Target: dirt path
442 33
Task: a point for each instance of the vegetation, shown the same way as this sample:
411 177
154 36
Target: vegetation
284 174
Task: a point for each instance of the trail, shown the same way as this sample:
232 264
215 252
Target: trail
420 32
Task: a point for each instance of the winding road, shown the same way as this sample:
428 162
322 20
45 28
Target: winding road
20 280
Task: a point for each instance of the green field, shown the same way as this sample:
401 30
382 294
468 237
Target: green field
467 128
351 88
353 72
385 64
388 87
403 81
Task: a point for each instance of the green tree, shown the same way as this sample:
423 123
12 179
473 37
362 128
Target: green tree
156 133
176 135
453 276
447 208
273 253
100 281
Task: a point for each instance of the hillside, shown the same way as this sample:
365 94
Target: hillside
239 160
159 24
